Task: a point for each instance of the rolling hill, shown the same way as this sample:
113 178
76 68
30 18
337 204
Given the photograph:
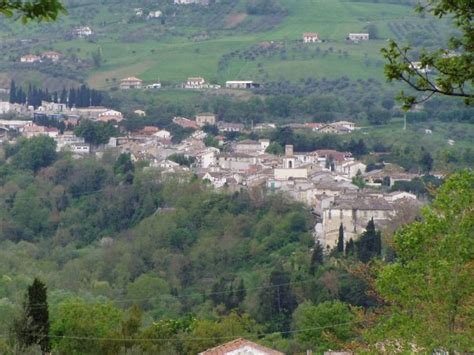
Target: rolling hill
222 41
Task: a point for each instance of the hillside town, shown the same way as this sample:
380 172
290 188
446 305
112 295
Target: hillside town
320 179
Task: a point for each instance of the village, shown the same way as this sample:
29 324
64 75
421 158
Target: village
321 179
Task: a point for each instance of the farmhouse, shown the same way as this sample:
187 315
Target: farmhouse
311 37
230 127
156 85
185 123
195 83
154 14
241 84
110 115
131 83
356 37
187 2
51 55
205 118
82 32
30 58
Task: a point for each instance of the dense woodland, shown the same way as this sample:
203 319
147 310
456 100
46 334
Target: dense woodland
172 261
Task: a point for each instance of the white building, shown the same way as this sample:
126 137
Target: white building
82 32
195 83
356 37
311 37
30 58
241 84
164 134
154 14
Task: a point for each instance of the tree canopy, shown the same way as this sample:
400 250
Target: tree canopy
430 287
39 10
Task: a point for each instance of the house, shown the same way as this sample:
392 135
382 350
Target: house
138 11
203 119
264 126
236 161
351 168
249 147
311 37
195 83
66 141
30 58
148 131
230 127
240 347
420 68
154 14
356 37
241 84
188 2
91 112
156 85
82 32
33 130
51 55
140 113
347 124
110 115
163 134
353 212
131 82
185 123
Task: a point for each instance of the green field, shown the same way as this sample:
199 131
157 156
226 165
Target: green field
172 54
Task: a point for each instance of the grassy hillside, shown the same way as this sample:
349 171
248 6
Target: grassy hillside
222 43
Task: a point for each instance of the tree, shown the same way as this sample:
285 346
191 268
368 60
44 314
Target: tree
277 301
430 286
40 10
340 240
369 245
77 323
33 325
426 162
35 153
455 73
275 148
97 57
328 325
13 94
317 258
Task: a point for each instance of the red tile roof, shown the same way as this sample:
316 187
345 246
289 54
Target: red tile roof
238 344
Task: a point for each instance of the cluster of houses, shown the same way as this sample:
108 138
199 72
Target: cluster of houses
321 179
313 37
48 56
194 82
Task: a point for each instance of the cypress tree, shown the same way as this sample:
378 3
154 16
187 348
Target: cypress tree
350 247
340 240
13 97
370 243
33 326
317 258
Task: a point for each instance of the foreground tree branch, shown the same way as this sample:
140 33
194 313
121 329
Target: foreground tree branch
453 69
39 10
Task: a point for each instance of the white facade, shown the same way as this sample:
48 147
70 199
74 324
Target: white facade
163 134
356 37
82 32
286 174
30 58
310 37
195 83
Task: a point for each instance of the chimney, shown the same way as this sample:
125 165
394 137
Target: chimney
289 150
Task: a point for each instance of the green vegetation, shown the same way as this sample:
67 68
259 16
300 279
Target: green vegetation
168 265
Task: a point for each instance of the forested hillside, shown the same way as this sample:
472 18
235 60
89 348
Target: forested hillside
135 259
